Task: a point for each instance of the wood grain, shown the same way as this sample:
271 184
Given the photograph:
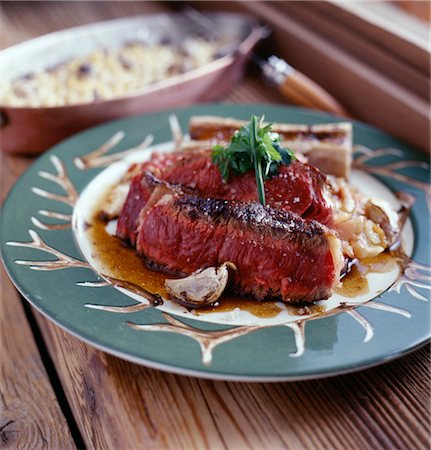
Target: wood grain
121 405
317 16
30 416
25 20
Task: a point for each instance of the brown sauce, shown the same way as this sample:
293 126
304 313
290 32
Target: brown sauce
306 310
265 310
355 282
120 262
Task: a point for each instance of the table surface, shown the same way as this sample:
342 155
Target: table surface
57 392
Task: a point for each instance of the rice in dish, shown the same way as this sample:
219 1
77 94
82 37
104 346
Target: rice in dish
109 73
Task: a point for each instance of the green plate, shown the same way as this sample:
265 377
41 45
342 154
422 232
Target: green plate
41 255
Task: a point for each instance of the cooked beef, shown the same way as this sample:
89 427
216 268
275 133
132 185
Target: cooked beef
139 193
298 187
278 254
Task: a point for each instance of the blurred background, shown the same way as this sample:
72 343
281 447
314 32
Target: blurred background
371 58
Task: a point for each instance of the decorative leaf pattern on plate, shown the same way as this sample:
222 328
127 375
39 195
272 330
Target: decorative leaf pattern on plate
414 275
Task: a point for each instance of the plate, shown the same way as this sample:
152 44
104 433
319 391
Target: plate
48 257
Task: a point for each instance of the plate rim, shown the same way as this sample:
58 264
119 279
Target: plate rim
216 376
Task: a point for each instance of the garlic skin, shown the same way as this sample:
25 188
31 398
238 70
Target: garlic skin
201 288
381 213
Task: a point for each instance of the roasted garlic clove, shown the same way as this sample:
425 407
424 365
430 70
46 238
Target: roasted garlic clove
201 288
381 213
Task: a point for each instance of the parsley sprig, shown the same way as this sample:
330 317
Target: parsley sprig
253 146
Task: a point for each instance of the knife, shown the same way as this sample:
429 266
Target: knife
296 86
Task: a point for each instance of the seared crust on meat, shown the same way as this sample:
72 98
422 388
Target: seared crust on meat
298 187
256 217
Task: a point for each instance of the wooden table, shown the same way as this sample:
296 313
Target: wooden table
57 392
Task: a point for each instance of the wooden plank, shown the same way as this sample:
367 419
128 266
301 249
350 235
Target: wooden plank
388 27
316 16
122 405
30 416
417 8
375 409
24 20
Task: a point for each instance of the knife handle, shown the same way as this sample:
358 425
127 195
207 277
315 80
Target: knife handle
303 91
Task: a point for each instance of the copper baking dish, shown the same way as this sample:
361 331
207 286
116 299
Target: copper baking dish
32 130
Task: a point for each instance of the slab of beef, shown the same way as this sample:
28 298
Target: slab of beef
140 191
298 187
279 255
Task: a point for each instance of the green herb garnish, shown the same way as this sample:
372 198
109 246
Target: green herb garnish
253 146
